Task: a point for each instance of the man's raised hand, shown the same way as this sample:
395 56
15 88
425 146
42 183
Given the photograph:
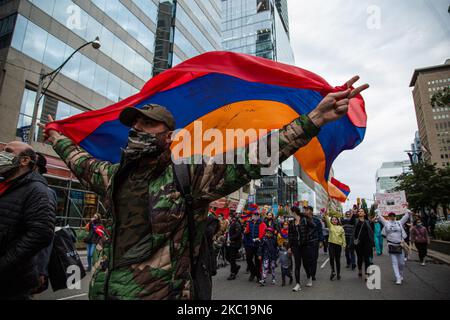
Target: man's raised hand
335 105
50 135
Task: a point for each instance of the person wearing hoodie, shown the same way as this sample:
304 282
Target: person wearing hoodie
395 236
268 254
336 241
420 238
285 260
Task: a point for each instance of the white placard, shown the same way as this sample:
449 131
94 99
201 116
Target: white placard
392 202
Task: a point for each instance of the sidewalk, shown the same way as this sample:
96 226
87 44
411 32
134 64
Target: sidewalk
438 256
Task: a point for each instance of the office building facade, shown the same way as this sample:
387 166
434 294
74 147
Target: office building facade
388 173
139 38
433 120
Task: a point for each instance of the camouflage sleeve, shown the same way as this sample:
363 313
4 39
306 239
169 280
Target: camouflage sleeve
211 181
92 173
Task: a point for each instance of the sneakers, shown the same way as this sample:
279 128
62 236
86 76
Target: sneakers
398 282
262 283
231 277
309 282
332 276
406 259
274 282
423 264
237 269
297 288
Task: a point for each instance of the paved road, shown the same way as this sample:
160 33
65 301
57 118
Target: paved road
429 282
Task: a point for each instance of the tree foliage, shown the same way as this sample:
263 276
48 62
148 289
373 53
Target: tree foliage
426 186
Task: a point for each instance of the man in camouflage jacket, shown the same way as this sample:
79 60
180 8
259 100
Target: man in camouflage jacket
148 255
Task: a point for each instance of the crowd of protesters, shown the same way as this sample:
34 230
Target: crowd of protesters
278 246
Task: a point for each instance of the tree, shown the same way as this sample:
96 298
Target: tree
426 187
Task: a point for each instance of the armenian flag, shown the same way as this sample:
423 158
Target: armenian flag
337 190
228 90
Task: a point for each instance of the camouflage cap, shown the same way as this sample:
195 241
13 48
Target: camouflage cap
152 111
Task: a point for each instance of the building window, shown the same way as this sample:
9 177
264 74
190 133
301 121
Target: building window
262 5
26 114
47 105
6 30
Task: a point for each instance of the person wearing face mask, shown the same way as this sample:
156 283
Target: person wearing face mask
154 252
395 236
27 220
420 238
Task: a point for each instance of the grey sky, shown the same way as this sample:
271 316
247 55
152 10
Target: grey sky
331 38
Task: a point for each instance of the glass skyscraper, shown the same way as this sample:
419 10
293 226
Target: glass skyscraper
139 39
261 28
256 27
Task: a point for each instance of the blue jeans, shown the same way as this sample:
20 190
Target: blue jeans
90 252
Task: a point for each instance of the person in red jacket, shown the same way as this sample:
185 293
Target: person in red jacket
254 232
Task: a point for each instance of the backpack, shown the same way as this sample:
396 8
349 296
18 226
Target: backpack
205 267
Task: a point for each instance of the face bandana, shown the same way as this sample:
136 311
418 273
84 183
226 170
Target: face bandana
143 144
8 163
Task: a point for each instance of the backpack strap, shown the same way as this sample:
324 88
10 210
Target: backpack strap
182 177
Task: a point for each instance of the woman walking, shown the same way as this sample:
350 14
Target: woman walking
395 235
363 240
378 236
420 238
95 231
336 241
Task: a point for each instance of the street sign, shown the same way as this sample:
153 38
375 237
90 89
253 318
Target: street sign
25 133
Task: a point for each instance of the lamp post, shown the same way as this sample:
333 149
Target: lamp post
52 75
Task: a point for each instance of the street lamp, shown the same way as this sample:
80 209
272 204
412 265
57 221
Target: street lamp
52 75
